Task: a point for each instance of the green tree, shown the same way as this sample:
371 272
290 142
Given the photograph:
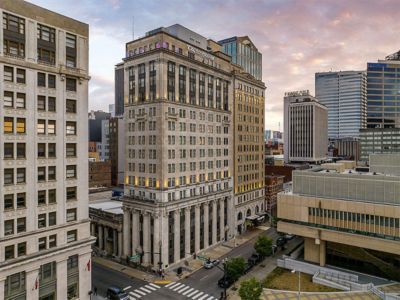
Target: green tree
263 245
250 289
235 267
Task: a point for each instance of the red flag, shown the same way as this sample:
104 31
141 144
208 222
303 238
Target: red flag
88 265
37 283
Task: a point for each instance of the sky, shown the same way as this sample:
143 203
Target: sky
296 37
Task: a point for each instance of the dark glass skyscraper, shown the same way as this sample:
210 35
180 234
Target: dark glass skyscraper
383 93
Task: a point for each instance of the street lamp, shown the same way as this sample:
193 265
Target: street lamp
294 271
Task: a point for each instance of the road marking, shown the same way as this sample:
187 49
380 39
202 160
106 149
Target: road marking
163 281
204 277
184 289
135 295
188 291
155 285
169 284
211 298
176 286
127 288
191 294
150 287
131 298
197 296
179 288
140 292
145 290
203 297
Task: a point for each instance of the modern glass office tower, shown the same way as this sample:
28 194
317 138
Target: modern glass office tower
383 93
344 94
244 53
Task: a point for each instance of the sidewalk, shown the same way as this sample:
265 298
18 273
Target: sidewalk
192 264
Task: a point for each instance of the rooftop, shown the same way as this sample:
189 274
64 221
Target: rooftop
110 206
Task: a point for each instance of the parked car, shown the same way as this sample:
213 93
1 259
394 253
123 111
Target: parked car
225 282
254 259
116 293
248 267
209 264
289 237
281 241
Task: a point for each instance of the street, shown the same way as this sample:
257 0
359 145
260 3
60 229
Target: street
200 285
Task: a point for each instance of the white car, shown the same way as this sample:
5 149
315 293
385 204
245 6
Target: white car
209 264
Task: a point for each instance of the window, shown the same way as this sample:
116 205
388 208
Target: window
52 196
41 220
51 104
71 41
41 151
42 243
41 79
41 173
71 84
8 202
71 106
71 150
21 200
71 128
72 236
8 99
51 127
71 193
51 150
21 225
72 262
21 175
21 249
14 48
20 101
14 284
51 81
41 197
20 125
52 218
51 174
71 171
9 252
8 176
8 150
21 76
46 34
71 214
8 74
41 126
8 125
53 241
41 103
21 150
9 227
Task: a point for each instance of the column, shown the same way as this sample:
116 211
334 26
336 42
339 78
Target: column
177 235
214 222
221 219
100 236
119 244
146 238
147 81
115 242
164 238
62 290
32 284
2 284
322 253
135 231
85 278
126 232
156 240
187 231
197 228
93 228
206 224
231 217
105 242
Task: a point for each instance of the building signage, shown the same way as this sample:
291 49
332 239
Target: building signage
297 93
199 52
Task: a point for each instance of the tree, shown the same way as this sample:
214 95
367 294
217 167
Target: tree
263 245
235 268
250 289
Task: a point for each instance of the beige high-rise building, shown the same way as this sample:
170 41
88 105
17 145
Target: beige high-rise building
305 127
45 242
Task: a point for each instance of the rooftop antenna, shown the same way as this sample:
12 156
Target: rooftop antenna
133 28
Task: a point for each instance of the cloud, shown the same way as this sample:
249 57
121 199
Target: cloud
297 38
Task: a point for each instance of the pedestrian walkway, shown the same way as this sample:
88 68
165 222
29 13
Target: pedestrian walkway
142 291
275 295
188 291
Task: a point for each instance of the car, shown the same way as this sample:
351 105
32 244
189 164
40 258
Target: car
281 241
254 259
289 236
225 282
209 264
116 293
248 267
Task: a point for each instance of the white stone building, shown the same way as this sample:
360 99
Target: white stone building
45 242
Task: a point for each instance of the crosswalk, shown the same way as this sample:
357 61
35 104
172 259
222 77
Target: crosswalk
142 291
188 291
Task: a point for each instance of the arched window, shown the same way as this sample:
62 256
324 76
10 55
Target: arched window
248 214
240 216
